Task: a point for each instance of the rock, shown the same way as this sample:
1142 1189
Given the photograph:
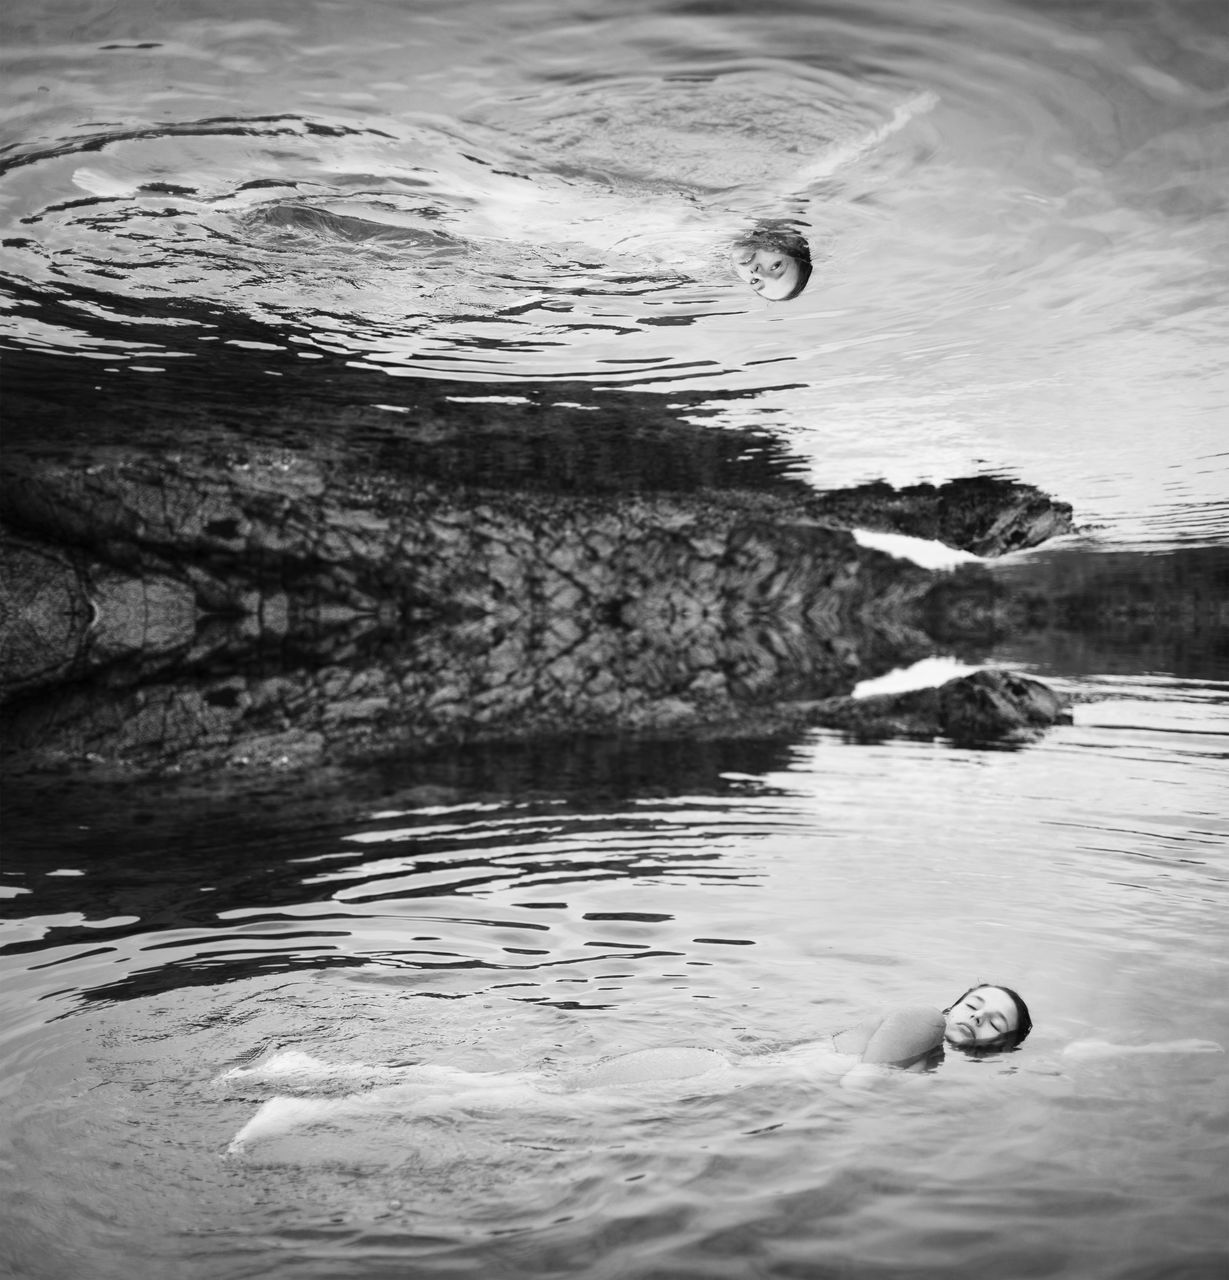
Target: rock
988 706
981 514
170 610
45 614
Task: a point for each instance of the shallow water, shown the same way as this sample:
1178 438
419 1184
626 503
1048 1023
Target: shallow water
305 216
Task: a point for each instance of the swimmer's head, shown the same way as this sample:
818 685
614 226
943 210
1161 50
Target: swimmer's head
987 1019
775 263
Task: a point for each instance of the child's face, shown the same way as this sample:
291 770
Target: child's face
770 272
982 1016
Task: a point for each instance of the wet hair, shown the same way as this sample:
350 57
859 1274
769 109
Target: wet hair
1007 1042
784 239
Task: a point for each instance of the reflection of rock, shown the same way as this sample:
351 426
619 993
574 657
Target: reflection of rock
342 613
980 514
1082 610
987 706
44 614
276 606
59 616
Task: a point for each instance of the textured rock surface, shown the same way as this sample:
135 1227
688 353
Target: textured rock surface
337 614
987 706
980 514
45 613
181 610
292 544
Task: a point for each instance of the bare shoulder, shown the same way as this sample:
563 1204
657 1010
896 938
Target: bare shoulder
855 1039
904 1035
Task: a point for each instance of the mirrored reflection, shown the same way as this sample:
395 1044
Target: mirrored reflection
364 593
419 240
393 676
775 263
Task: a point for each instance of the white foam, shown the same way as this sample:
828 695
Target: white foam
921 551
98 183
926 674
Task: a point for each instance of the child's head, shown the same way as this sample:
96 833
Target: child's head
776 263
987 1018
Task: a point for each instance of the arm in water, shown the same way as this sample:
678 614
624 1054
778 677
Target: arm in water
843 155
774 257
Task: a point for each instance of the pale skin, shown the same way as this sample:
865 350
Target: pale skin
980 1018
428 1089
772 273
882 1046
900 1040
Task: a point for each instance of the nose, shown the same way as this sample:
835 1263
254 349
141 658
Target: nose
977 1017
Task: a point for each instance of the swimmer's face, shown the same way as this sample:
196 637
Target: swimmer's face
981 1018
770 272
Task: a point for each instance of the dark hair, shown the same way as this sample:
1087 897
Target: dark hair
782 238
1011 1039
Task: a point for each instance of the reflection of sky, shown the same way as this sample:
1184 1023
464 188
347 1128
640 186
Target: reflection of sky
1010 282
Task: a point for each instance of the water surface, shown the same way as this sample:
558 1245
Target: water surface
511 912
313 221
1017 214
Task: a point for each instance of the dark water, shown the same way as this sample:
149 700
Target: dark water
483 244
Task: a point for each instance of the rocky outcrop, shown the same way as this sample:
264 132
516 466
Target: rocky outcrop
63 614
297 546
980 514
45 614
988 706
273 610
172 610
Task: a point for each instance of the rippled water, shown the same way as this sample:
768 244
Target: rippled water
508 912
1017 214
1018 218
